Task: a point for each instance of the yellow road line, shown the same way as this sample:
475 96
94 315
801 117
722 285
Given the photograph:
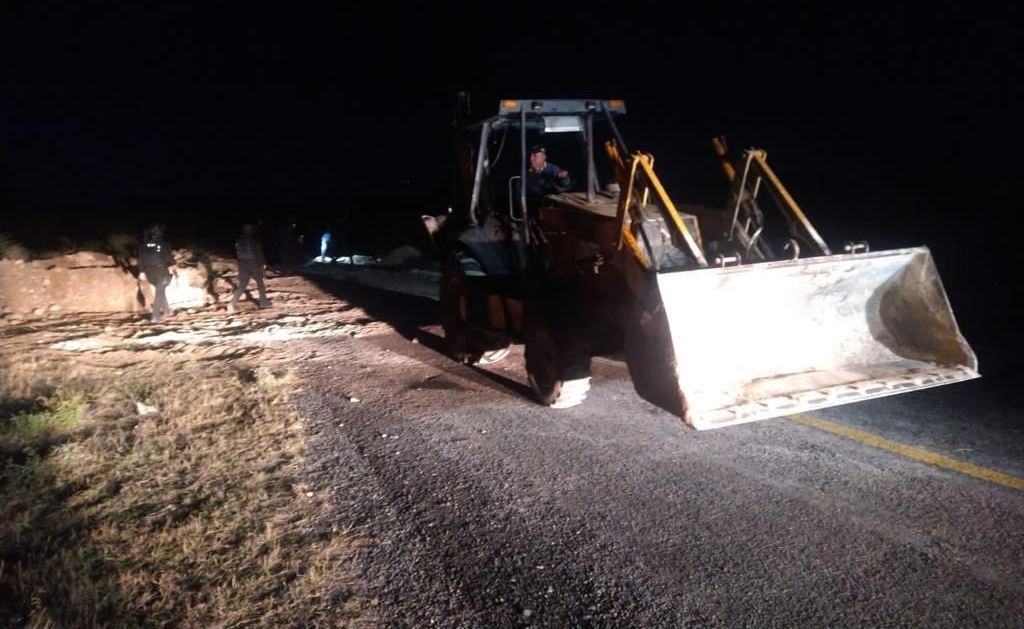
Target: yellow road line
911 452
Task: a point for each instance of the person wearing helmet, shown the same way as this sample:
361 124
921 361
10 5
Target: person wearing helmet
543 177
156 265
251 265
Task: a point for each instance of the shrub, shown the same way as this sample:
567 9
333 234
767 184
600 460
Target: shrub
11 249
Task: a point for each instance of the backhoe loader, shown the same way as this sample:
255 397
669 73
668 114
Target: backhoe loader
717 324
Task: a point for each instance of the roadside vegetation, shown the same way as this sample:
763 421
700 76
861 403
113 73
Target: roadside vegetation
162 495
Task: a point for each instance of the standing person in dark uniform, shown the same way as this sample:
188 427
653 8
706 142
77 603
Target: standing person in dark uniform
289 241
156 265
251 265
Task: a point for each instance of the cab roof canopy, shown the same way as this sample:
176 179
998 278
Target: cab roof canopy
548 114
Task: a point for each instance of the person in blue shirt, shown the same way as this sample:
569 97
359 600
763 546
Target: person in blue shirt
324 241
543 177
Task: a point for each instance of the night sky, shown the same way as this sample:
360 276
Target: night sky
887 123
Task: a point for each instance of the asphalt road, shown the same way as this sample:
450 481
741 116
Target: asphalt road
487 510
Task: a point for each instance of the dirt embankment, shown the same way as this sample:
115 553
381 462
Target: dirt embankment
88 281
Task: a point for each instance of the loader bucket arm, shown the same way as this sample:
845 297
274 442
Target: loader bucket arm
637 180
759 160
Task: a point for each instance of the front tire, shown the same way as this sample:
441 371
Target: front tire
462 344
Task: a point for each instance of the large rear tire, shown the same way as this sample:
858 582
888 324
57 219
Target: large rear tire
545 354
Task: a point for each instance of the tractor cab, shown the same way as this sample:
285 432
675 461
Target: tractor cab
507 204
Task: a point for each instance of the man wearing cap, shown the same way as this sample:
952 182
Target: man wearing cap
543 177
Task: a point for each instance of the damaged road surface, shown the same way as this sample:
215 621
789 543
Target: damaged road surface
486 509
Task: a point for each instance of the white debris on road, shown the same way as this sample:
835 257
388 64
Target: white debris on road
300 310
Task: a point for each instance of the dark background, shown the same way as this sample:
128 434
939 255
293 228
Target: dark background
893 124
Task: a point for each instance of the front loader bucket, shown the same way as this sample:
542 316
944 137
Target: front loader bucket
723 346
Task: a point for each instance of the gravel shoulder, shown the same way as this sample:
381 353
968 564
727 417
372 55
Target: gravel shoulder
487 510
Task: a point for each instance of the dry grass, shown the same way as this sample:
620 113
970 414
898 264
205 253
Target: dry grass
190 516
